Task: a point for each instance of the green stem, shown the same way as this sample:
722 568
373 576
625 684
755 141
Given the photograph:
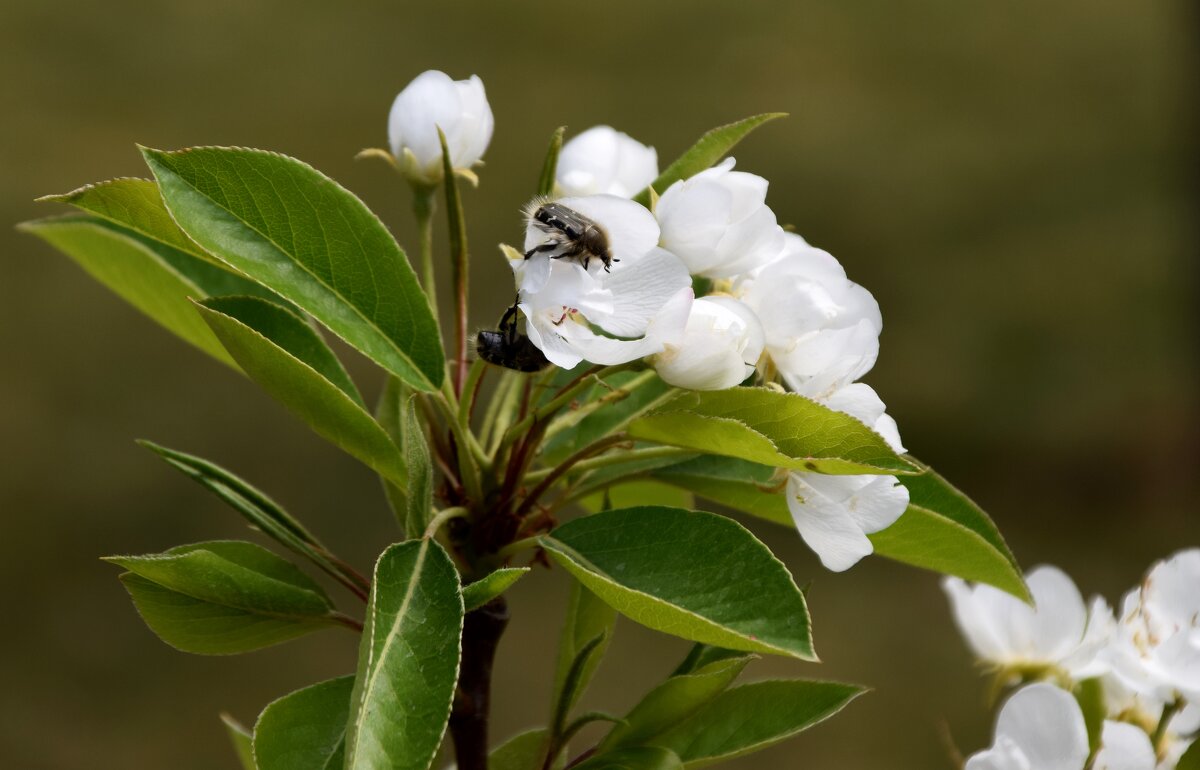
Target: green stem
498 415
424 205
617 458
573 462
443 516
470 392
1168 713
564 397
459 265
469 454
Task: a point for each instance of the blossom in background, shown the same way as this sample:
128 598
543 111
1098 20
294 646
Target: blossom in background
431 101
1156 647
1039 728
719 348
718 222
604 160
638 307
1057 634
834 514
822 330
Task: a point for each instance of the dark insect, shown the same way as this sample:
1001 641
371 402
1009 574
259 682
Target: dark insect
508 348
569 234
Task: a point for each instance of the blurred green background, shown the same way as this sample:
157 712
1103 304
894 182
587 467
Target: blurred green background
1014 181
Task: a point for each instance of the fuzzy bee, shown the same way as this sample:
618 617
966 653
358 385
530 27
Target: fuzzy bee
569 234
508 348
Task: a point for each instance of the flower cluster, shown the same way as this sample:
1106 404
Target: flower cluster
711 291
1146 659
703 285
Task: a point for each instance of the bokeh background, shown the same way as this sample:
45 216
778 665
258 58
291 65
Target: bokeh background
1015 181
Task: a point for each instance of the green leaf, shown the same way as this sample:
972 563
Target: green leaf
490 586
297 232
288 330
673 701
134 204
390 415
753 717
419 466
408 661
259 510
224 597
702 655
241 739
137 272
692 574
587 618
550 166
766 426
291 362
639 758
738 484
523 751
707 150
638 492
306 729
574 683
944 531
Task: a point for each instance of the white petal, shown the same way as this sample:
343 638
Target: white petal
1047 725
1061 616
718 224
547 339
640 289
1004 630
834 513
886 427
825 361
1086 661
977 624
720 346
1005 755
1124 747
603 160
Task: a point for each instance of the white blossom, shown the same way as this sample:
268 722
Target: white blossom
1039 728
1156 646
638 308
718 222
834 514
1058 633
1124 747
822 330
604 160
431 101
719 348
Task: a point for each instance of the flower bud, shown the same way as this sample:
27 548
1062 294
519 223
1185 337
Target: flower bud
604 160
720 346
431 101
718 223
